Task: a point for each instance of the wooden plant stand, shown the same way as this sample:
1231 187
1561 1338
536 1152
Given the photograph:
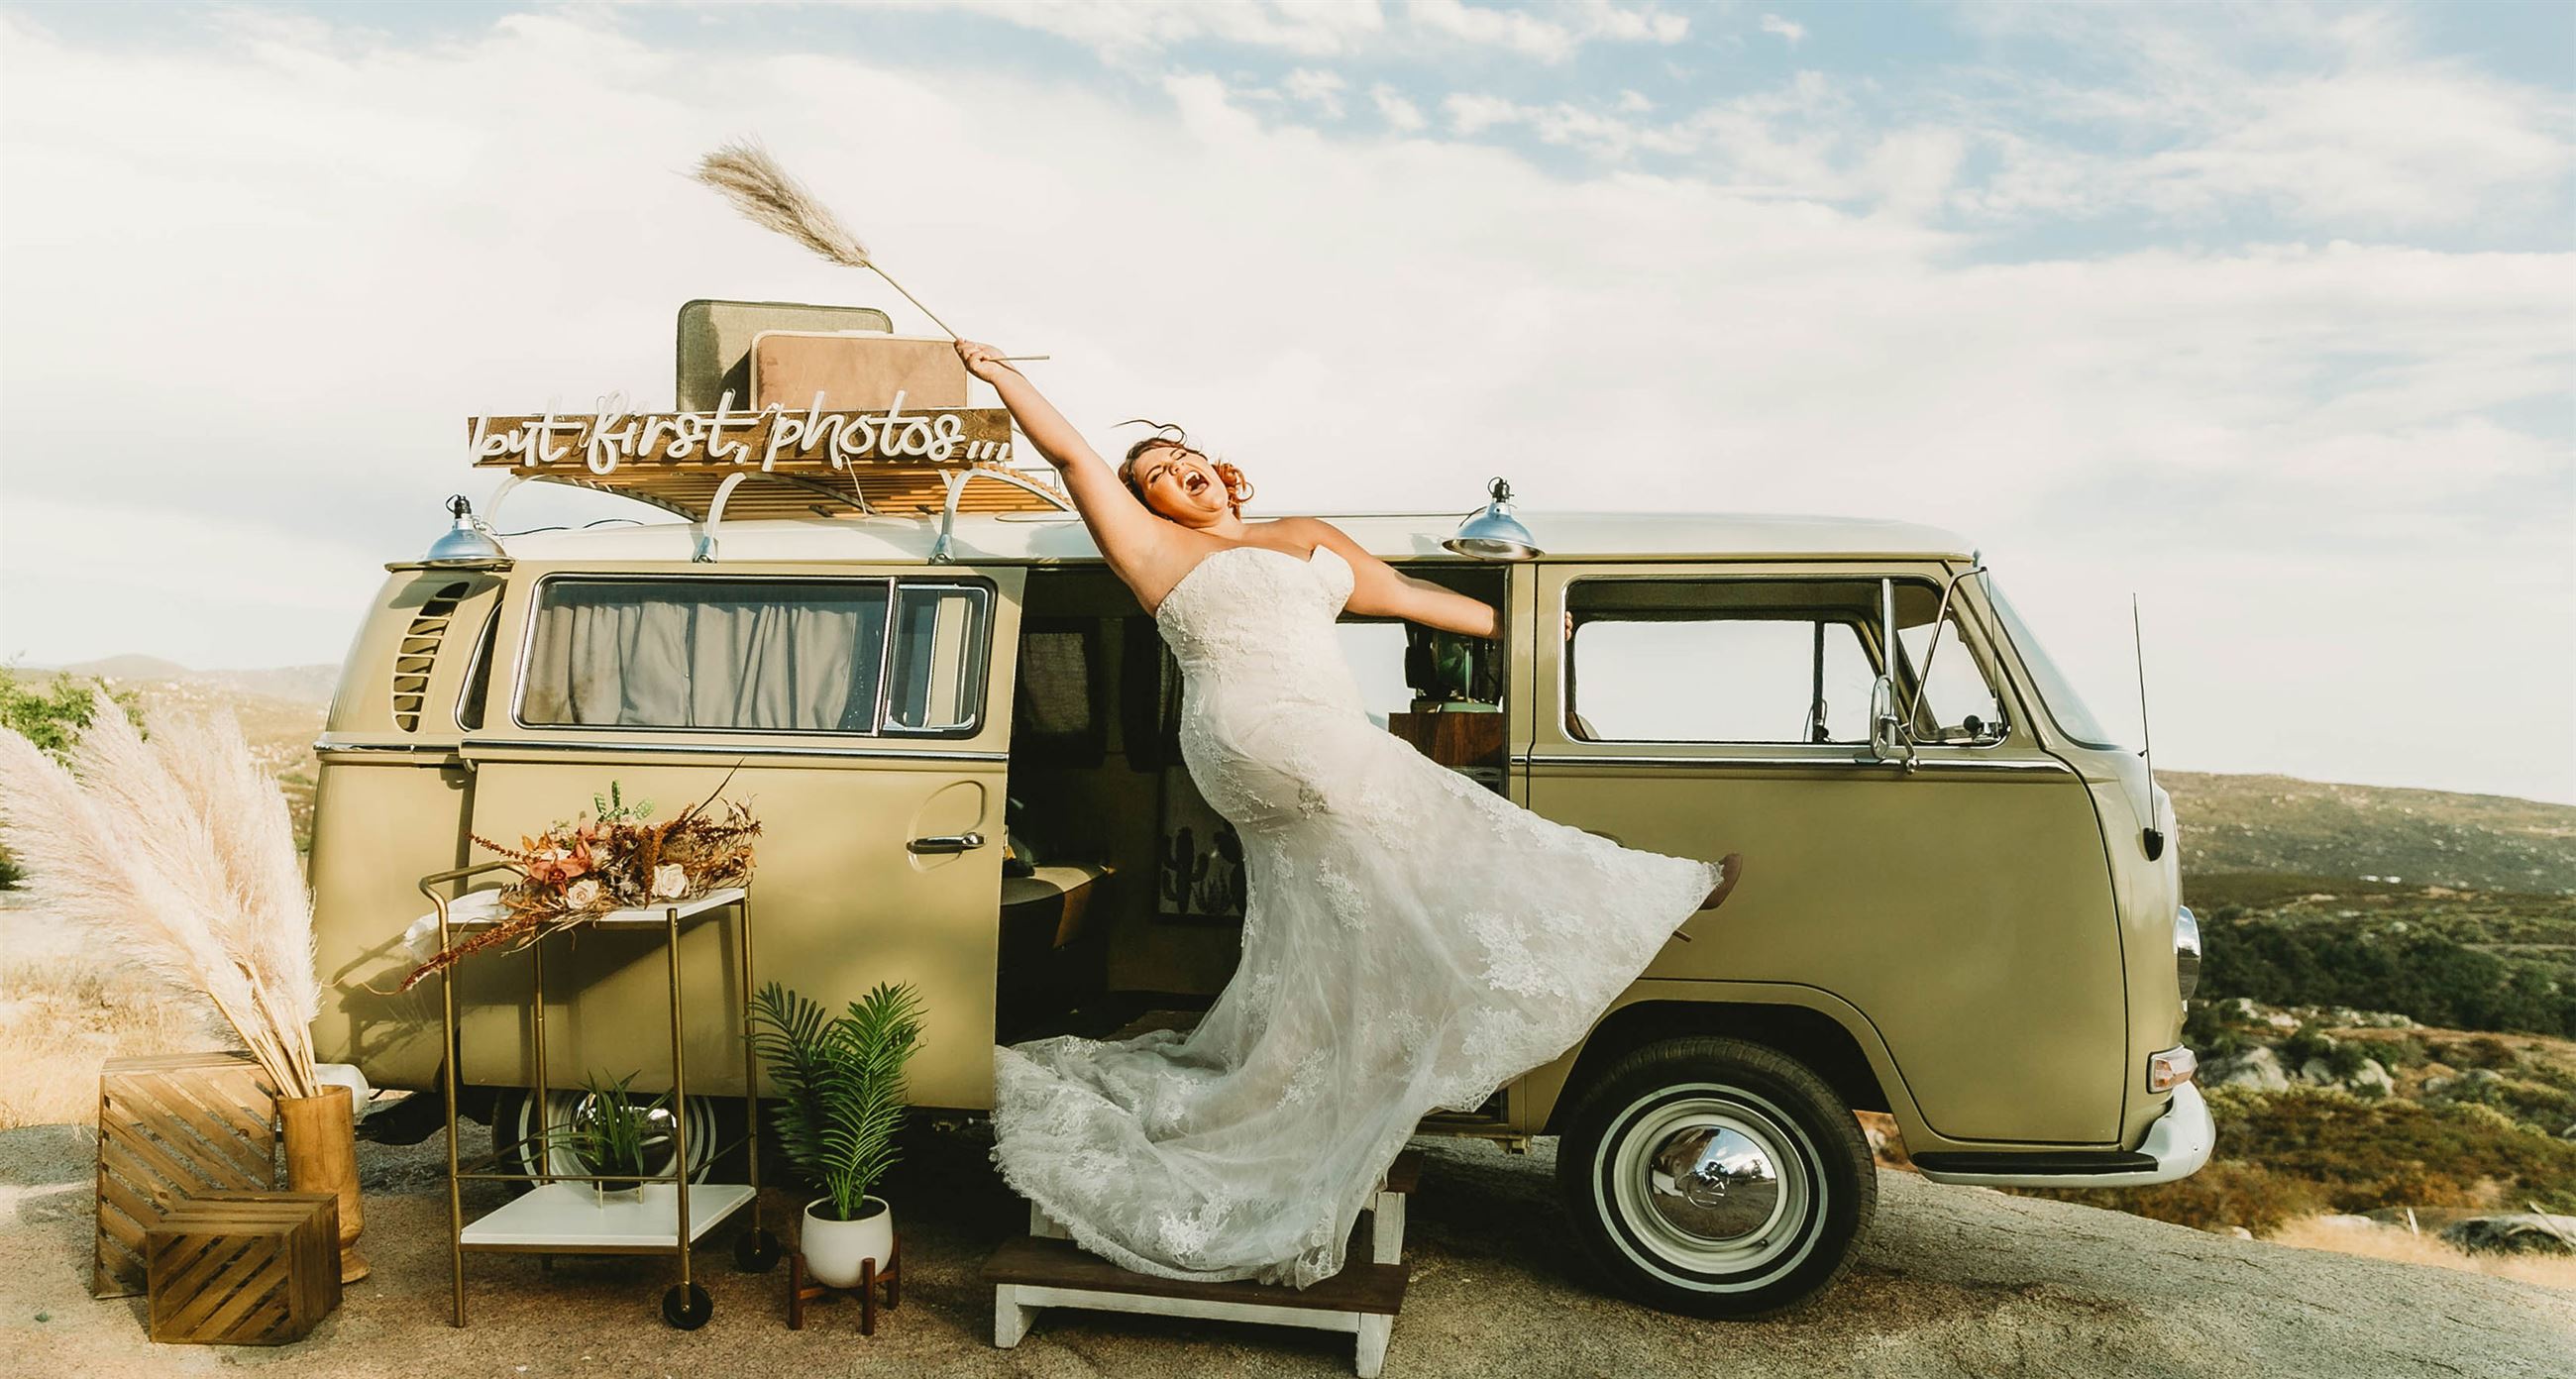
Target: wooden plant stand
801 1290
1046 1269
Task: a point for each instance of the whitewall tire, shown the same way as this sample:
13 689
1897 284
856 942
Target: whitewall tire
1715 1177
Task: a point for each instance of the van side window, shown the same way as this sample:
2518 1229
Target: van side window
1666 660
1957 704
740 654
937 685
478 677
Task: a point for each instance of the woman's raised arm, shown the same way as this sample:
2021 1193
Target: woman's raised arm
1125 530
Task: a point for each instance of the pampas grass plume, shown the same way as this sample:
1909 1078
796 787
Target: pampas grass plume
761 189
178 852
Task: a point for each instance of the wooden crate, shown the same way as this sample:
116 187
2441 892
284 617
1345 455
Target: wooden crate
244 1268
169 1128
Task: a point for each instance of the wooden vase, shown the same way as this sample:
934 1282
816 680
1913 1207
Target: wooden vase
321 1139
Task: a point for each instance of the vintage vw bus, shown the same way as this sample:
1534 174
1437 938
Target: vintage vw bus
958 729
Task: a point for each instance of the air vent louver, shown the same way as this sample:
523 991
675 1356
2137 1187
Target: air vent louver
419 651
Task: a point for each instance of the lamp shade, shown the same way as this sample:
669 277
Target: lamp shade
468 542
1492 532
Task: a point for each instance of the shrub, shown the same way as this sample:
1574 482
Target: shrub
2222 1194
50 717
2433 979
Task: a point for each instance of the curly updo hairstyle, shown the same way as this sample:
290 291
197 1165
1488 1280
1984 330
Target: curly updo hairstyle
1238 489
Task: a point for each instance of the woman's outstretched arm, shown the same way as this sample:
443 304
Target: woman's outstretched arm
1129 535
1380 590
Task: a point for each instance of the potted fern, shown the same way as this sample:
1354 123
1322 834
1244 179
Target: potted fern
840 1084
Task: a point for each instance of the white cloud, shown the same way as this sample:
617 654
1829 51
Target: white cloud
1470 113
1128 28
2288 447
1789 31
1401 115
1322 90
1527 33
2330 118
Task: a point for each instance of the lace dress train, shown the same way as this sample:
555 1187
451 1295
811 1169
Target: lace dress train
1411 940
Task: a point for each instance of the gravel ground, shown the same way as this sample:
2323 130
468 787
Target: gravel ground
1952 1281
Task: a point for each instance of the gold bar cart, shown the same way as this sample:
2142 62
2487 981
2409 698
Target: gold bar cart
556 1216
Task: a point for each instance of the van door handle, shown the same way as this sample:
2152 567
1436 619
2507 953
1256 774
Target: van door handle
947 842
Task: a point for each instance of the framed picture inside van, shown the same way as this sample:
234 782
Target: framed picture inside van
1199 872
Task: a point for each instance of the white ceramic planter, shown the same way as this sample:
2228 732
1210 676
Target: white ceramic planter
833 1249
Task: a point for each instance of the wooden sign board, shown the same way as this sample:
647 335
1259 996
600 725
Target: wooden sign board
772 439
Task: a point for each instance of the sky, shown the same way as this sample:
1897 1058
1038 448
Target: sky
2265 314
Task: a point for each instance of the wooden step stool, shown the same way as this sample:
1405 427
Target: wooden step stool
1046 1269
244 1268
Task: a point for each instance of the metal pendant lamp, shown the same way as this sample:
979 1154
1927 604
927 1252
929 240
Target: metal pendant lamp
1492 533
469 542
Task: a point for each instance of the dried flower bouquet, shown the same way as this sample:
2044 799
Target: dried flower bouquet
609 859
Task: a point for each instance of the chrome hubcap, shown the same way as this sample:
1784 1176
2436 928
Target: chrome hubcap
1712 1185
1713 1181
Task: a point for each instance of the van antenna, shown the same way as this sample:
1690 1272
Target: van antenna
2154 837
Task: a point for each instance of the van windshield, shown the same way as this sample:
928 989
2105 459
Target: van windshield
2065 706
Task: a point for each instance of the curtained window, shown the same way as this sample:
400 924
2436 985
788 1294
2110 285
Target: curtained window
755 655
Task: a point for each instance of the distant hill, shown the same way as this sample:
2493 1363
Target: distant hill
308 685
280 710
2284 825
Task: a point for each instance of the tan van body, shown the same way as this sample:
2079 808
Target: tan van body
1980 944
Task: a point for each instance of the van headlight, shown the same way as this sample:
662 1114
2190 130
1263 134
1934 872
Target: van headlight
2186 950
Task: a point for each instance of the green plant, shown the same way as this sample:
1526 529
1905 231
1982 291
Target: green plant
613 1134
840 1082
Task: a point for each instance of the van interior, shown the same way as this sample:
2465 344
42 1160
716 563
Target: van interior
1122 892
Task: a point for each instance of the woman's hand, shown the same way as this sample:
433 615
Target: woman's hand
983 361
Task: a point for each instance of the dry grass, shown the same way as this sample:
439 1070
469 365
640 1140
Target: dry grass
2381 1242
63 1015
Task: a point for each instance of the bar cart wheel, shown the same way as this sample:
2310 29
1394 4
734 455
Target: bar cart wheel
686 1306
757 1252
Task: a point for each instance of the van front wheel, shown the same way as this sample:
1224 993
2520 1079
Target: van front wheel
1716 1177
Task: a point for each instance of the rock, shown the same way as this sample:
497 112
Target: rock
2316 1072
2526 1233
2238 1231
2239 1008
2463 1085
2282 1019
2340 1221
2372 1078
2259 1068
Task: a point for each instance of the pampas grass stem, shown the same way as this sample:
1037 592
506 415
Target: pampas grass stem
761 189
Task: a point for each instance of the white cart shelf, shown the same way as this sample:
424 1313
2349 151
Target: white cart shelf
573 1218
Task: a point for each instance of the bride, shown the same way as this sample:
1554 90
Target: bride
1411 939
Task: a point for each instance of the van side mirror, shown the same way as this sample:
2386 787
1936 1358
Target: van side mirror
1888 738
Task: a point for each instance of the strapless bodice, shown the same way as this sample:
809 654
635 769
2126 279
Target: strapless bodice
1257 613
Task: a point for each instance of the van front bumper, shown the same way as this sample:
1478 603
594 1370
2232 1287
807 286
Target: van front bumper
2175 1147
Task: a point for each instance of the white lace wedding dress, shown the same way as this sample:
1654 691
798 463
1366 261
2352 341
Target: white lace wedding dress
1410 940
